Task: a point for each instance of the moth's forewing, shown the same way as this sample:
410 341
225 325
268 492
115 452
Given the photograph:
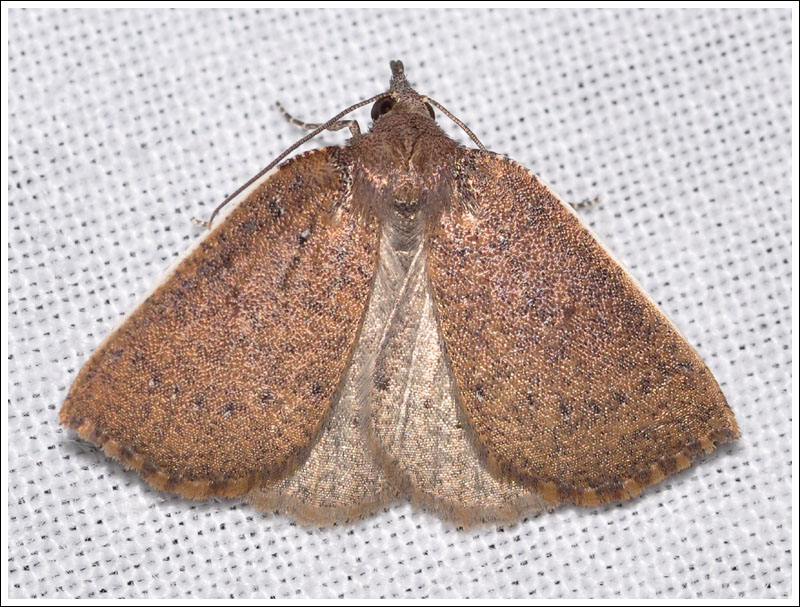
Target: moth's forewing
570 376
224 375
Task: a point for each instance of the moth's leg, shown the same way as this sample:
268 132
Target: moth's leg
200 222
584 204
340 124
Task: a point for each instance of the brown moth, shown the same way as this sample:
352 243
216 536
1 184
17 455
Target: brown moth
400 316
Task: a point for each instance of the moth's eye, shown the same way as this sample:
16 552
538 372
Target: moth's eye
430 110
381 107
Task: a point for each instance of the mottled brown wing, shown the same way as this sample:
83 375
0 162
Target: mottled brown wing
571 378
223 376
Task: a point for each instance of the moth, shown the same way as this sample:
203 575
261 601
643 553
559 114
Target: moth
399 317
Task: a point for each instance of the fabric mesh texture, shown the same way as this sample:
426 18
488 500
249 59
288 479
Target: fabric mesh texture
126 124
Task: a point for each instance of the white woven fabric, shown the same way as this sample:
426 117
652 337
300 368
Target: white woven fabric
126 124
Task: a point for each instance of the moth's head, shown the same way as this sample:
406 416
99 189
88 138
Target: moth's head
401 97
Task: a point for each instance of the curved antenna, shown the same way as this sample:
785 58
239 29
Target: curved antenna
463 126
292 148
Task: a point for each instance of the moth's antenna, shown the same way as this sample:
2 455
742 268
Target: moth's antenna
447 113
293 147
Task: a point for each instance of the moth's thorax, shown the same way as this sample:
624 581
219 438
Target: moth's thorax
403 167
